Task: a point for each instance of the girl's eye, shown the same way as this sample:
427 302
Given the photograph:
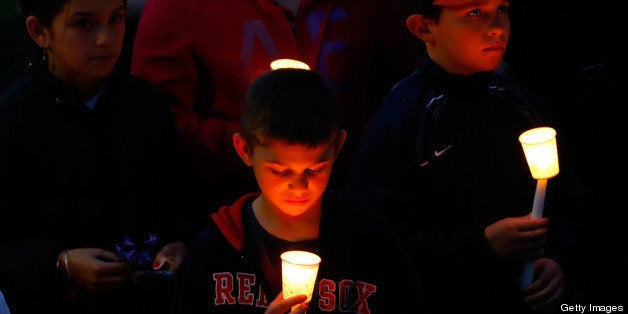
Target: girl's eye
117 18
83 23
503 9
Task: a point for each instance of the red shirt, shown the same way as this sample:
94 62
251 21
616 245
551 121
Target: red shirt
205 54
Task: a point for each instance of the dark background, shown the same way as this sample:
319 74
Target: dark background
573 54
11 43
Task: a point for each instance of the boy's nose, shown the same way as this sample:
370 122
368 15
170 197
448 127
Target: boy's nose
299 183
499 25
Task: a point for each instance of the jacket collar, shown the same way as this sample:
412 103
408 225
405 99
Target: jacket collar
455 83
229 220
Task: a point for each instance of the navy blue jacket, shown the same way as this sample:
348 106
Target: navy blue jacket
441 159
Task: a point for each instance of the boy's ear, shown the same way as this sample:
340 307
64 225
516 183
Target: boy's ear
419 26
37 31
243 149
340 141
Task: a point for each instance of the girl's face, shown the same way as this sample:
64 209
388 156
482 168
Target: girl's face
84 40
472 37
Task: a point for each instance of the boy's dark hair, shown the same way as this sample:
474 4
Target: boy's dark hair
423 7
290 105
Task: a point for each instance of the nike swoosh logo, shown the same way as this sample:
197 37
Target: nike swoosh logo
437 152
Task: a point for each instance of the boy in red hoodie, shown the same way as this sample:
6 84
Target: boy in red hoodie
291 137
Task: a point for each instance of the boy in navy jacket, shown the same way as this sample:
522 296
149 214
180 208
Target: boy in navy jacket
441 158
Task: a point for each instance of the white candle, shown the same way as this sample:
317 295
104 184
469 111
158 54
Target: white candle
539 147
298 272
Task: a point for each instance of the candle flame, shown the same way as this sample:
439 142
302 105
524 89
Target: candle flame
299 270
539 147
288 63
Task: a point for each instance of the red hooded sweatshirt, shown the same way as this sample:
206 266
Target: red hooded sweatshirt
204 55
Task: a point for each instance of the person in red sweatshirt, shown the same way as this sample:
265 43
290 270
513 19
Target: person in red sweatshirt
205 54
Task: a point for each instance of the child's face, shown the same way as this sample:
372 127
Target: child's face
85 39
292 178
472 37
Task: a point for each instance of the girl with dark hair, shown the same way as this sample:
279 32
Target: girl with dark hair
89 158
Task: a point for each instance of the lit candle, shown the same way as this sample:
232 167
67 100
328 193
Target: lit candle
298 272
539 147
288 63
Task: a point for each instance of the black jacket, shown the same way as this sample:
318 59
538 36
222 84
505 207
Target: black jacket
71 177
441 158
